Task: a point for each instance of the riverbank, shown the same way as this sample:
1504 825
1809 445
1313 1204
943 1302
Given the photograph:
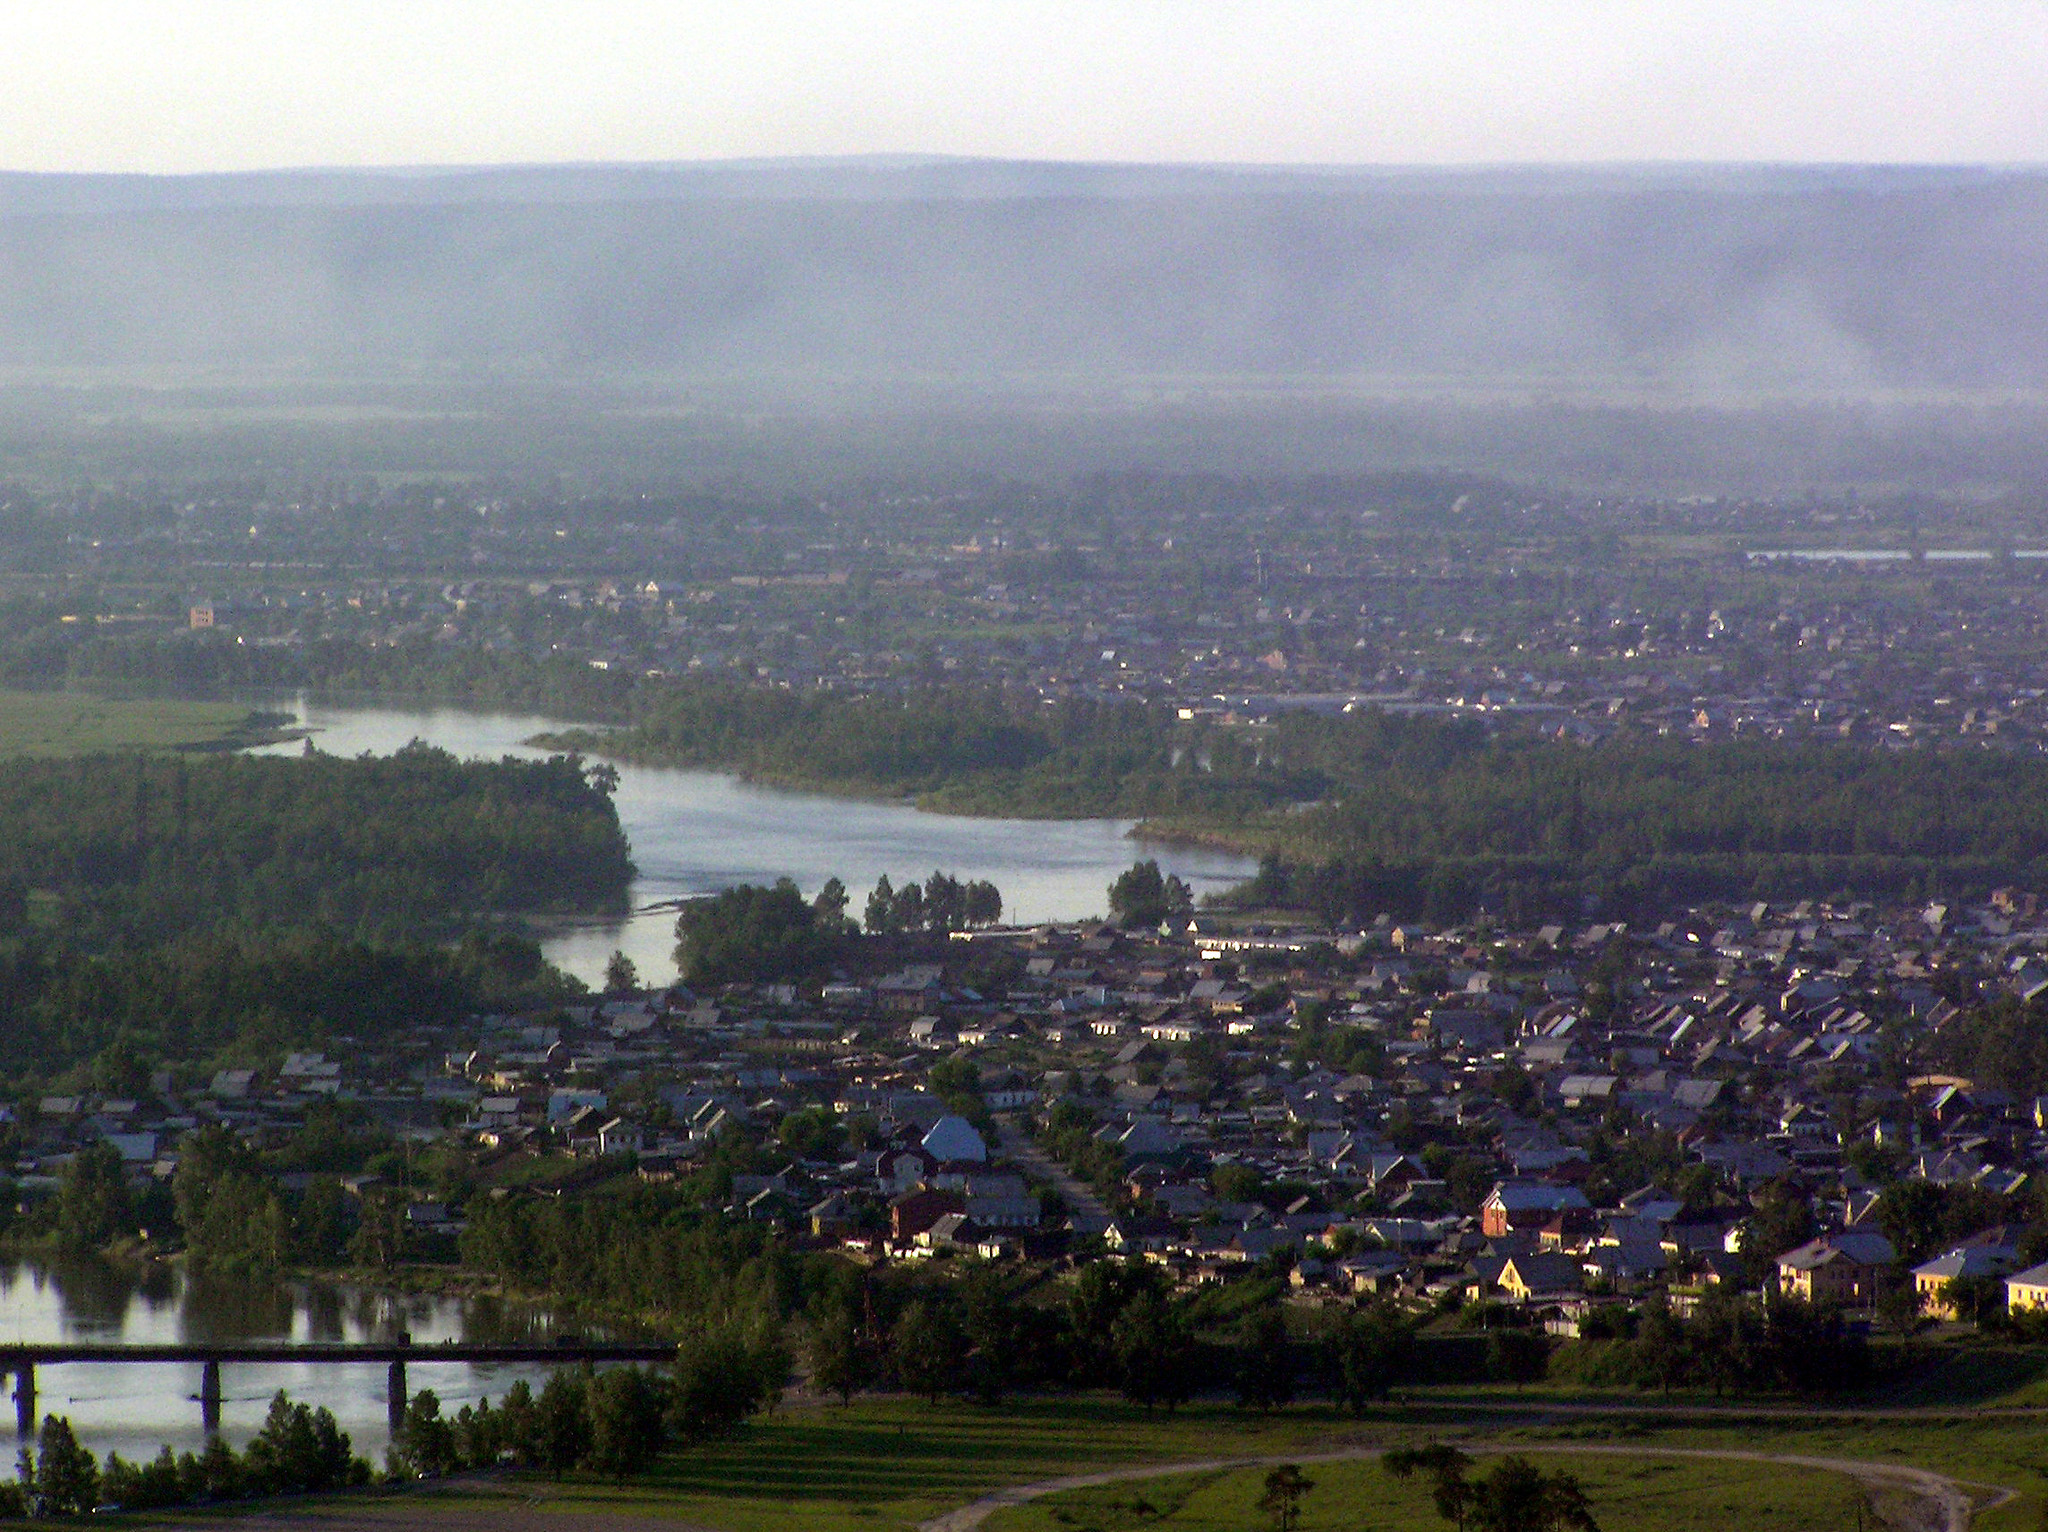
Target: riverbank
1007 796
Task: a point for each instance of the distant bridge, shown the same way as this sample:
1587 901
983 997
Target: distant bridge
22 1361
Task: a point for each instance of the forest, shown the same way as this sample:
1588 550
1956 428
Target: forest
134 850
1413 816
163 907
227 994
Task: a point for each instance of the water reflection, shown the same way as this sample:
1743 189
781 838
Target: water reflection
95 1294
132 1408
220 1308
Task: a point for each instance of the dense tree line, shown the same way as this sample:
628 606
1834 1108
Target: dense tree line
1514 1496
1114 1325
140 848
1413 816
297 1451
1732 1344
615 1422
940 904
755 934
1435 819
648 1249
239 993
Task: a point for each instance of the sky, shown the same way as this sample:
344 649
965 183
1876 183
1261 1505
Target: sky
213 85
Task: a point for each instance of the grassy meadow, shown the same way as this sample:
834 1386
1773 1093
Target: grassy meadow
1651 1494
889 1465
78 723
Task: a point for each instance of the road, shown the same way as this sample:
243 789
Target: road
1020 1151
1947 1503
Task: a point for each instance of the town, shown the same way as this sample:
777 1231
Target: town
1583 616
1566 1123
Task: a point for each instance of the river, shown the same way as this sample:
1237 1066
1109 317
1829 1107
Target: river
695 832
134 1408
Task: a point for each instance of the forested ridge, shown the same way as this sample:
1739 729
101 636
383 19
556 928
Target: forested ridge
136 849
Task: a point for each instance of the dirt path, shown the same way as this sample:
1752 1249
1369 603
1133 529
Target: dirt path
1946 1504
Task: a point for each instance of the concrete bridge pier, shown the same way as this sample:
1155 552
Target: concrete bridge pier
25 1399
395 1397
209 1397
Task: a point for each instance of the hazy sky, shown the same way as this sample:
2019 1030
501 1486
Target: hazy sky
174 85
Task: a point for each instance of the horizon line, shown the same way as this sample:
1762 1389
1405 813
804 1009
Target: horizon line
918 160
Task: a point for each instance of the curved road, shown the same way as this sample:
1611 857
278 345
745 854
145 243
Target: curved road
1948 1502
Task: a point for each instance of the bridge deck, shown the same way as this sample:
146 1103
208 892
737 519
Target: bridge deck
38 1354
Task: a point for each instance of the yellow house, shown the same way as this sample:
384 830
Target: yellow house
2027 1289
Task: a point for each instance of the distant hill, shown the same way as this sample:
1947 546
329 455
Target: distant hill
1708 277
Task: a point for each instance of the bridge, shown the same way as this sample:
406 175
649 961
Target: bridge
22 1360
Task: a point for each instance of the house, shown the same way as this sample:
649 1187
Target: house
1003 1211
1525 1205
1535 1276
916 1212
1990 1254
1374 1272
1836 1268
2027 1289
834 1215
953 1140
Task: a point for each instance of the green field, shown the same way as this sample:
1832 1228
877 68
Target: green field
77 723
888 1466
1650 1495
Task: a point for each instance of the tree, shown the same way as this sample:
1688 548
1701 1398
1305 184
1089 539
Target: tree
561 1419
842 1362
626 1421
1520 1497
1265 1361
425 1442
1659 1349
751 935
1446 1469
829 904
1516 1356
1372 1350
1143 896
984 903
379 1239
230 1211
322 1222
1094 1303
519 1425
992 1326
299 1449
881 908
925 1348
1153 1347
92 1198
1286 1487
723 1376
66 1476
621 975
